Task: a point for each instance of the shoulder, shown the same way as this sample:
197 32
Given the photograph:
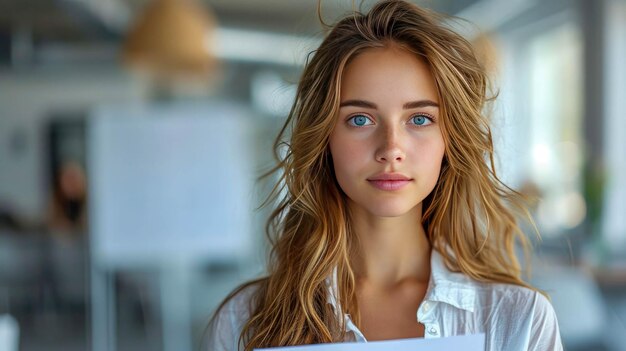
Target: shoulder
225 326
510 296
510 299
545 334
239 305
519 315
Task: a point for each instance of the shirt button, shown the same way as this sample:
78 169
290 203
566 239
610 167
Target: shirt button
432 331
426 306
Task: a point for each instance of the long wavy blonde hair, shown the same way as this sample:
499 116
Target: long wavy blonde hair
470 216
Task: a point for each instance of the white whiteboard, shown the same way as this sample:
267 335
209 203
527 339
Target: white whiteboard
169 181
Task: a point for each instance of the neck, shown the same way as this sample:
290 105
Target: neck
391 250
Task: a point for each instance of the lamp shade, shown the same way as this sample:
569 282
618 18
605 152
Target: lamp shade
171 37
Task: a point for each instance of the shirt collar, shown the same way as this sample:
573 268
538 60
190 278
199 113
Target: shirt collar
453 288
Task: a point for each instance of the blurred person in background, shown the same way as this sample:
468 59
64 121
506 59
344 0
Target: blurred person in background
68 207
392 207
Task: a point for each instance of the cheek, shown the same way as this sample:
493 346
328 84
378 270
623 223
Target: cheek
348 160
341 163
435 154
437 159
429 155
347 154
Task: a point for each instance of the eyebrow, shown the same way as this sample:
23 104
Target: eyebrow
406 106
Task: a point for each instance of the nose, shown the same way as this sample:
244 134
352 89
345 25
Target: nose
391 149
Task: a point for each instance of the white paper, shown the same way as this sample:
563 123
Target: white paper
474 342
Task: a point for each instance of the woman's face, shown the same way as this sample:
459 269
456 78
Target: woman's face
387 146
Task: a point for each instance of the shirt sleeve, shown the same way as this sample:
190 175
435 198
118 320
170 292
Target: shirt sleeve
223 331
226 326
545 334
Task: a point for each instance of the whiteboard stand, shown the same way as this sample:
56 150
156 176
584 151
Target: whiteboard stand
175 294
174 286
103 332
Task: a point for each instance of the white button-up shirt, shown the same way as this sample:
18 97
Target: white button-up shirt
512 317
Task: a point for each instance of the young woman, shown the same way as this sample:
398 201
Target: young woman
393 223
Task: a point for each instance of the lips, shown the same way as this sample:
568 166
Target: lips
389 181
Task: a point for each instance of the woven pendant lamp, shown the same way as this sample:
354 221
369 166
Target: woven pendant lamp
171 38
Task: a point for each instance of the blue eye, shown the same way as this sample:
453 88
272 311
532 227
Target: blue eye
421 120
360 121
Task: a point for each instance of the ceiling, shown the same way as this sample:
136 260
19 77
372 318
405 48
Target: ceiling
71 20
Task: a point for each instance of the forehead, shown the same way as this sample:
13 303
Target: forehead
388 74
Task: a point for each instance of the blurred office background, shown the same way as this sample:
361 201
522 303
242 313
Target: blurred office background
132 133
